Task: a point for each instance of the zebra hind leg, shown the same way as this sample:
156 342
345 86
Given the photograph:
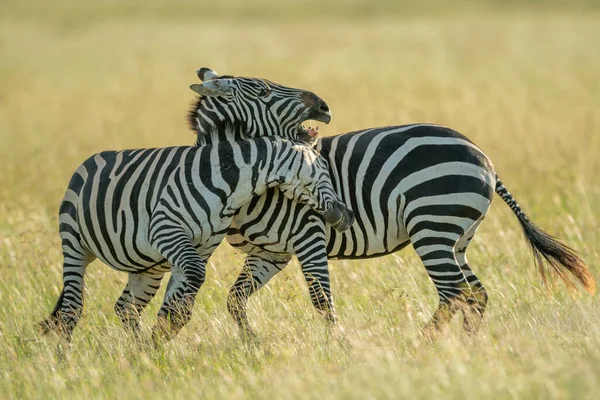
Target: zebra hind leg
257 271
477 301
442 251
139 291
69 307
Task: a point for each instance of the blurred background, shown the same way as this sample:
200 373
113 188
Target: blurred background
520 78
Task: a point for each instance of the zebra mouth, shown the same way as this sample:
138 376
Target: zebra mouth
308 130
309 134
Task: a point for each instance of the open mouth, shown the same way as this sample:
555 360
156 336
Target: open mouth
308 130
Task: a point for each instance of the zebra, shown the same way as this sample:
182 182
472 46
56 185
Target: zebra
237 108
242 107
95 220
148 211
419 184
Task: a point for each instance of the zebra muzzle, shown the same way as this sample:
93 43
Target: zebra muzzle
339 216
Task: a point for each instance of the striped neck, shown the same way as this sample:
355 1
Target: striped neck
225 132
257 167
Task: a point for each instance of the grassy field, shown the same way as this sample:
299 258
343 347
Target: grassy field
522 82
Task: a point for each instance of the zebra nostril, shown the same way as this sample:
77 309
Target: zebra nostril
324 107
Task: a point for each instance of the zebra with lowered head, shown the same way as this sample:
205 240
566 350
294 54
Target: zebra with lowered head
148 211
420 184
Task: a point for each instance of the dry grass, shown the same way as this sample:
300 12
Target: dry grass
522 84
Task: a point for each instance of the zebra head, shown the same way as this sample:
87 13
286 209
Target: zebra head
233 108
305 178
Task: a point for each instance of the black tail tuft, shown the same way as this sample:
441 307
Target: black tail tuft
560 258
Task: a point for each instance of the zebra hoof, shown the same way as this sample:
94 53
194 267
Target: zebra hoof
248 335
164 330
56 326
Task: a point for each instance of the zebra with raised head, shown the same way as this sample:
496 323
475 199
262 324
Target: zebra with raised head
235 108
148 211
421 184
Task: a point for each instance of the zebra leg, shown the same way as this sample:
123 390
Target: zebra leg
438 244
477 301
257 271
316 273
139 291
69 307
188 275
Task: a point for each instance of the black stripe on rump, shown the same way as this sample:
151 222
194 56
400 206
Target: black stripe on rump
449 184
75 185
89 233
430 241
455 210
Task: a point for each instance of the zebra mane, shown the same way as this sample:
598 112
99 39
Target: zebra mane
222 130
192 117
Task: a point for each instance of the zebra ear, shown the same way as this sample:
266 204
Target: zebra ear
206 74
215 87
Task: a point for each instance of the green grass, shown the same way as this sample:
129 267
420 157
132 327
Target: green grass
522 82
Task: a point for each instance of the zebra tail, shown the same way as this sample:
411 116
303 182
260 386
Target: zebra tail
52 322
560 258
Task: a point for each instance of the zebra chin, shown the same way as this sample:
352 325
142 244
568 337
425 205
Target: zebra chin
339 217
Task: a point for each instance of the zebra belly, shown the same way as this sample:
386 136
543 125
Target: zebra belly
122 251
251 231
354 243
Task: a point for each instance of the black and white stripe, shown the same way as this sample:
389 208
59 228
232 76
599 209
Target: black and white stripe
147 211
251 107
424 185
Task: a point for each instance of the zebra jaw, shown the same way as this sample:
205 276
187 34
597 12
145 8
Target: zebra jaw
310 131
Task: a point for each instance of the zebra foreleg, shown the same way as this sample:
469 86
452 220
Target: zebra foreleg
257 271
316 273
139 291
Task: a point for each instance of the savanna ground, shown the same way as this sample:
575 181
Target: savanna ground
521 81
